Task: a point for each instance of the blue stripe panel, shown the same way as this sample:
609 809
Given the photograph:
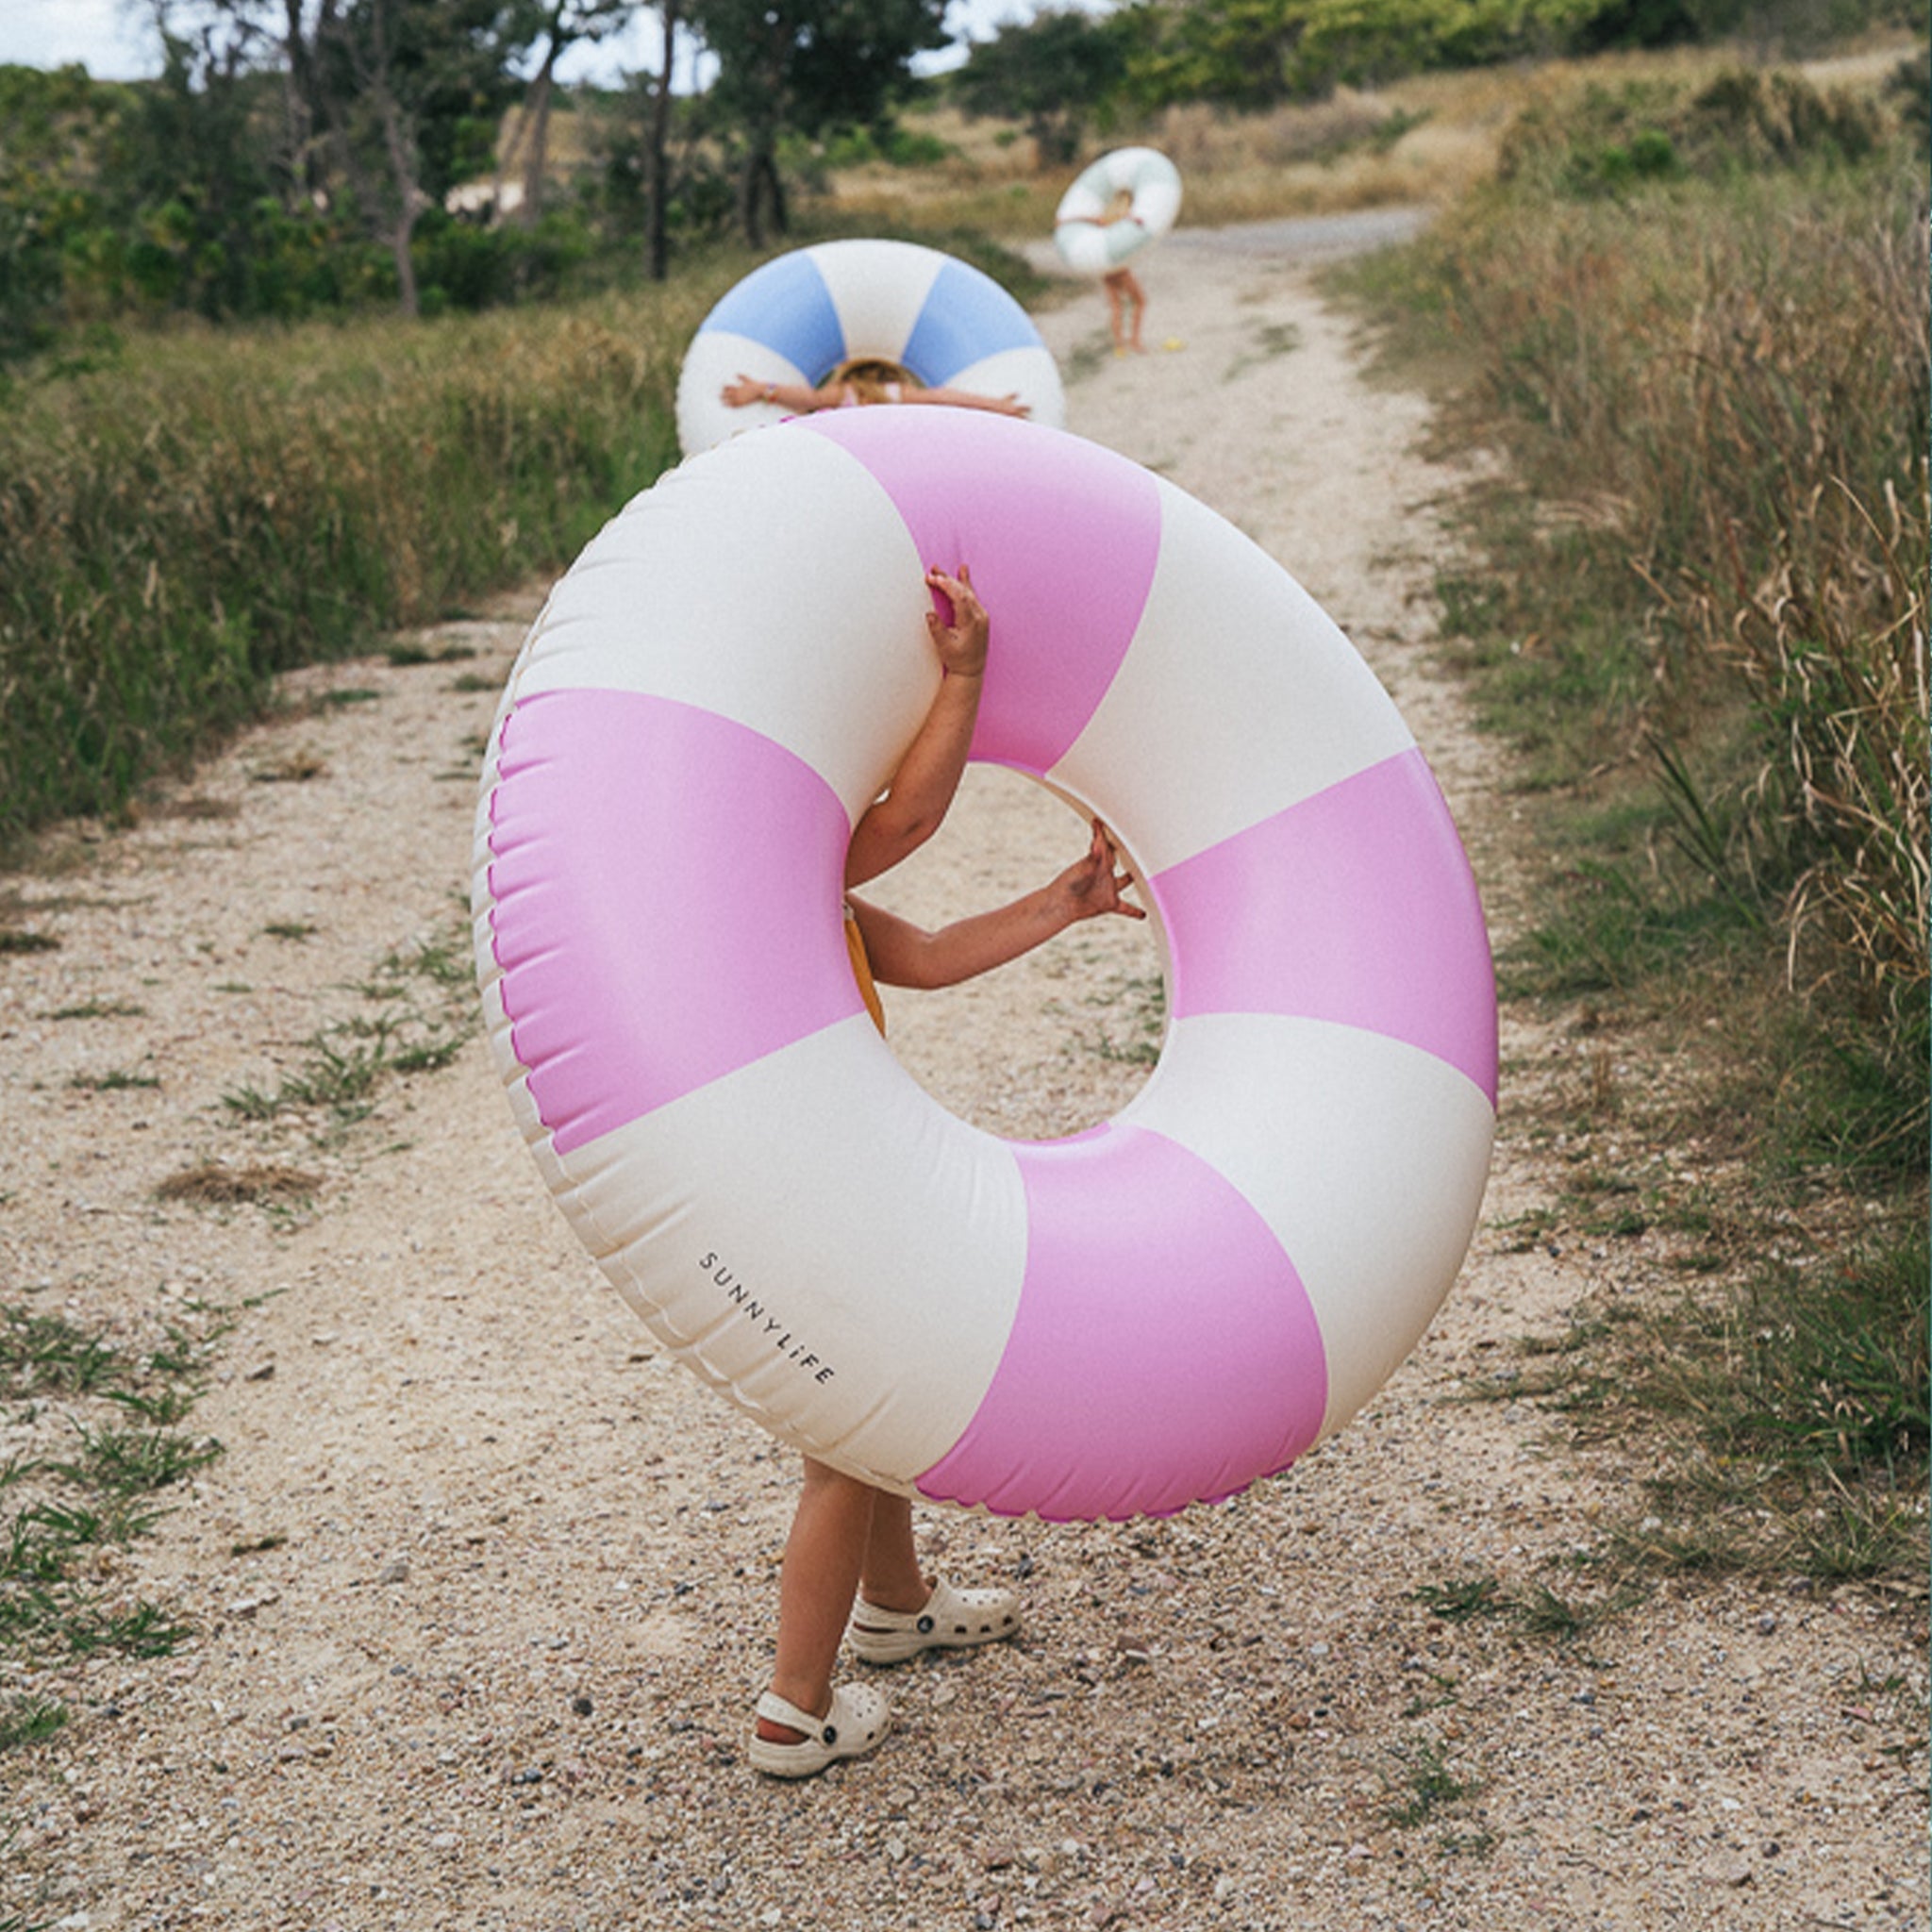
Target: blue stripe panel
967 315
786 306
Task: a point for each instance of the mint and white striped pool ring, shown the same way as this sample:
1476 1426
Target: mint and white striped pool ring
1161 1309
798 317
1089 245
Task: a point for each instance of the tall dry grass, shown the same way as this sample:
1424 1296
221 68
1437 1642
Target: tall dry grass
1697 321
209 510
1351 151
1729 391
1693 322
1812 590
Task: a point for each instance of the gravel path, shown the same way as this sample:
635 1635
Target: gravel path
484 1587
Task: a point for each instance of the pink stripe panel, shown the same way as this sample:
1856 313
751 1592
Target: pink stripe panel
1061 537
1164 1352
664 901
1357 905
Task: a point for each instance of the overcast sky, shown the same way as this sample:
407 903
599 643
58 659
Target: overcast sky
113 41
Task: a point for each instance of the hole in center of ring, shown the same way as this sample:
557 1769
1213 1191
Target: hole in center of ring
1057 1041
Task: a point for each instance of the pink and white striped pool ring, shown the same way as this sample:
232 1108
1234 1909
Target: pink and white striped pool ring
1158 1311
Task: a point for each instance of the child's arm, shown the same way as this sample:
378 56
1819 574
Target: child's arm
1009 405
922 789
799 397
902 954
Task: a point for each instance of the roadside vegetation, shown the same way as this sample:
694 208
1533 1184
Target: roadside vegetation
193 513
94 1450
1692 316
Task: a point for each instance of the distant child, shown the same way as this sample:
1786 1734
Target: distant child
1126 307
850 1540
1126 300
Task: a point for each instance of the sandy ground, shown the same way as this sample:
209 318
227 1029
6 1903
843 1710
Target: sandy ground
483 1588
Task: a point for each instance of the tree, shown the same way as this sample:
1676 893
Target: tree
1236 52
407 95
50 193
805 67
561 26
1054 72
662 175
193 161
657 152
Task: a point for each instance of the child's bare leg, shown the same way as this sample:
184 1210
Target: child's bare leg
831 1533
890 1578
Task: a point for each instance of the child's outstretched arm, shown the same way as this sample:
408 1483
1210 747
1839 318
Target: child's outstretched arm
902 954
922 789
1009 405
801 398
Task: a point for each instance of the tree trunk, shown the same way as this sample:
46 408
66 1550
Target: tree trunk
536 124
311 120
657 159
760 188
408 299
409 198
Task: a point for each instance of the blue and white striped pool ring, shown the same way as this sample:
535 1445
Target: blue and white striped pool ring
798 317
1091 247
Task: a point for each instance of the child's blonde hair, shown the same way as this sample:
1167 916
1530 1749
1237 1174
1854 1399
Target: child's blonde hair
872 378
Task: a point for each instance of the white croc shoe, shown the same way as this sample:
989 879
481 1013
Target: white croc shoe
857 1719
952 1620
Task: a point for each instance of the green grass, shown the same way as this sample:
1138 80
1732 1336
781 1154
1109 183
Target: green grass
424 1010
29 1721
122 1404
1429 1784
205 512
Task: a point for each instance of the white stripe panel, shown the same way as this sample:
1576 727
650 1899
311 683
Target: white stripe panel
1085 198
1157 202
1029 373
877 290
1238 697
1085 250
715 358
1366 1157
769 580
880 1234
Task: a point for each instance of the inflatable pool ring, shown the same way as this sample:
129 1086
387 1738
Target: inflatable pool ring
1091 245
1161 1309
802 315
